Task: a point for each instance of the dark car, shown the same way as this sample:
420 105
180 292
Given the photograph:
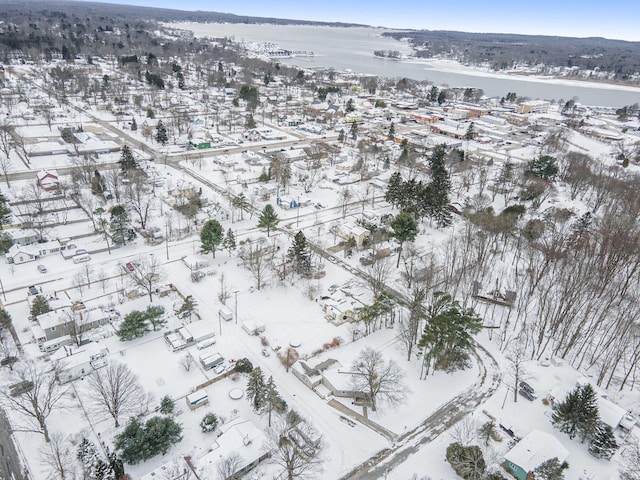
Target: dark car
507 429
527 387
33 290
527 394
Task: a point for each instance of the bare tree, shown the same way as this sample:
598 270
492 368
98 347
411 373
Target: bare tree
8 349
223 293
5 167
177 469
379 380
378 275
256 259
345 197
34 393
115 389
59 457
187 362
79 282
103 280
465 432
517 356
139 198
228 466
296 446
147 274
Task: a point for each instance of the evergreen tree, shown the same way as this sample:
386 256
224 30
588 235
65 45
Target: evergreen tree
268 218
133 326
127 162
448 335
300 255
167 405
550 470
256 389
405 229
210 237
154 314
250 122
392 131
5 211
353 132
229 242
471 132
119 225
603 442
544 167
577 414
141 442
341 136
394 189
439 188
209 423
349 107
134 125
161 133
588 414
272 400
39 306
442 97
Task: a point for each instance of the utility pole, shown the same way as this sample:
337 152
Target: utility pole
236 294
166 238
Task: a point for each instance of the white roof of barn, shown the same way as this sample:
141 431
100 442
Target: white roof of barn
536 448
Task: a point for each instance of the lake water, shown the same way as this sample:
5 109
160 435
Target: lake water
352 48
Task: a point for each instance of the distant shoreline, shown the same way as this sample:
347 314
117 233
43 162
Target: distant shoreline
454 66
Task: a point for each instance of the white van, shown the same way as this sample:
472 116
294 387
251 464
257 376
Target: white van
225 313
85 257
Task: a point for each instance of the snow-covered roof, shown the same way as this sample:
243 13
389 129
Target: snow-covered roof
239 436
536 448
610 413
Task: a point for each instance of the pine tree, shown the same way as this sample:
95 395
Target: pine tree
392 131
577 414
603 442
256 389
127 162
439 188
550 470
161 133
300 255
210 237
393 193
133 326
405 229
471 132
272 400
5 211
588 415
119 225
134 125
229 242
268 218
39 306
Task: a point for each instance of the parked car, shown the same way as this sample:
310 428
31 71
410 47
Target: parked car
42 268
265 352
205 343
527 394
80 251
33 290
527 387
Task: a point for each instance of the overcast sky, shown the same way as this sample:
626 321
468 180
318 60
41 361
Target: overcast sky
618 19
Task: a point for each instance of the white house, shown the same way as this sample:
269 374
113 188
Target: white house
74 363
240 437
18 254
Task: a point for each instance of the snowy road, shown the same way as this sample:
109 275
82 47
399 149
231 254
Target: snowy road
447 415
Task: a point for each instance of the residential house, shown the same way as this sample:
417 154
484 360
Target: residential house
239 437
76 362
48 180
533 450
347 230
65 321
18 254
